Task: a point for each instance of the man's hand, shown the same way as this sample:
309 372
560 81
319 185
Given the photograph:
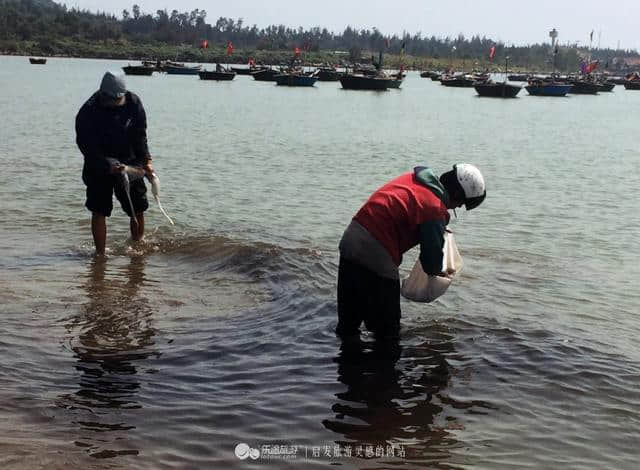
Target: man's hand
148 168
116 167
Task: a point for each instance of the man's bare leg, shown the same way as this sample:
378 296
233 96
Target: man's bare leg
137 231
99 231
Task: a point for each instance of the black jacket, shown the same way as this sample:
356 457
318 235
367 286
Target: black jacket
119 133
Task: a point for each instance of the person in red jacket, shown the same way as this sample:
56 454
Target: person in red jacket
409 210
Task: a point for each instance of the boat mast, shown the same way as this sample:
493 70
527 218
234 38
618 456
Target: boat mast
553 34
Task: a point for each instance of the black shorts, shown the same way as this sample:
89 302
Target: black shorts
365 296
100 189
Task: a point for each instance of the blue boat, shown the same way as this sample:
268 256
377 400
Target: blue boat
542 88
295 79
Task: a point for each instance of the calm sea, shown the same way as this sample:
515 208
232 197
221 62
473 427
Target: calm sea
219 331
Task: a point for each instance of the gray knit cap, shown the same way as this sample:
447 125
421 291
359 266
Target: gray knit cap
113 85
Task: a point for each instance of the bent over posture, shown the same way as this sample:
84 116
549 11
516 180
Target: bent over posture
111 132
409 210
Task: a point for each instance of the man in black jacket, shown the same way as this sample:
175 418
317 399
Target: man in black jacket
111 131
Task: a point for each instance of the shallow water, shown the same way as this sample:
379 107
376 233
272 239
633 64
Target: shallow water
219 331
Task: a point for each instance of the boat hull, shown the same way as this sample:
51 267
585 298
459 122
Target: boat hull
243 71
295 80
395 83
606 87
584 88
266 75
549 90
632 85
171 70
35 61
497 90
218 76
138 70
328 75
457 82
362 82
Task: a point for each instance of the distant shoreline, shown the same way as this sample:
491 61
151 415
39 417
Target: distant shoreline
274 58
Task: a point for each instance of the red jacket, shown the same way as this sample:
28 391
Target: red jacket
406 211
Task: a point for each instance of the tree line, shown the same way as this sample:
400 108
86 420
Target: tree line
46 23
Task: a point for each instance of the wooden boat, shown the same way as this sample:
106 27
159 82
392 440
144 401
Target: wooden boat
497 89
328 74
432 74
632 85
173 69
548 88
138 70
583 87
246 70
218 75
352 81
606 86
518 77
396 80
295 79
37 61
266 75
458 81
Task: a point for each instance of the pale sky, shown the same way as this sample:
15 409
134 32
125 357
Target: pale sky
518 22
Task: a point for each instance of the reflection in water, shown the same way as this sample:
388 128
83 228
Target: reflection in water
111 335
393 397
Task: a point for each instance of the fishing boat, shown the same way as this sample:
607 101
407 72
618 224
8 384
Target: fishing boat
328 74
493 89
606 86
139 70
295 78
37 61
352 81
583 87
457 81
218 75
265 75
486 87
548 88
430 74
247 70
179 69
632 85
396 79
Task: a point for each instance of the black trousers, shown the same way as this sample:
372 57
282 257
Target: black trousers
365 296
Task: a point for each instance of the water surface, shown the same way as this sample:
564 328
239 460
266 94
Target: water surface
219 330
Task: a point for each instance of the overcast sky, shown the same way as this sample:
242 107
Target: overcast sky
518 22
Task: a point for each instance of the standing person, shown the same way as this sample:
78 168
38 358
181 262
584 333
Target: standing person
409 210
111 131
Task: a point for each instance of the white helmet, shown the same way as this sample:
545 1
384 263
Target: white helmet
472 184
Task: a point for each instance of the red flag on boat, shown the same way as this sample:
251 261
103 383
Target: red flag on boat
297 51
592 66
204 44
492 52
229 48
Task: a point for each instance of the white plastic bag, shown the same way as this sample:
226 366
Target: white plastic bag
421 287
